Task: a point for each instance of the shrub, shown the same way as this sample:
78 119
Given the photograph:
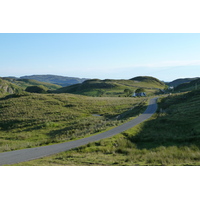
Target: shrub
36 89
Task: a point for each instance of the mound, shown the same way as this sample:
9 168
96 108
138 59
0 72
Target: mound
148 79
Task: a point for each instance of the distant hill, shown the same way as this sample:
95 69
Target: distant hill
149 79
109 87
192 85
180 81
54 79
24 83
7 87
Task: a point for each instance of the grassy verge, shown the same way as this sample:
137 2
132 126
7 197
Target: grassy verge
171 137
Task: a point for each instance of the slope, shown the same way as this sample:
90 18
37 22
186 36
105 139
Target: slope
31 119
109 87
24 83
171 137
55 79
7 87
192 85
180 81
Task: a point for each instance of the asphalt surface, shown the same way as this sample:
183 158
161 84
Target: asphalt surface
12 157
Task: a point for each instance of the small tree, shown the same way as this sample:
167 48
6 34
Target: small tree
140 90
128 92
36 89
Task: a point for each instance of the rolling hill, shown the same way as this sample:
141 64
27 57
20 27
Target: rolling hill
109 87
192 85
54 79
24 83
180 81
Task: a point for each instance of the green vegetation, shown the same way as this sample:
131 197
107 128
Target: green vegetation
154 82
24 83
170 137
180 81
54 79
192 85
8 88
139 90
37 89
114 88
128 92
30 119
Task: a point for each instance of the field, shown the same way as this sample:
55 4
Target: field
29 120
171 137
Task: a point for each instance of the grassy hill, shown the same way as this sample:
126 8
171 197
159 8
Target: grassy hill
7 87
154 82
180 81
171 137
30 119
109 87
54 79
24 83
192 85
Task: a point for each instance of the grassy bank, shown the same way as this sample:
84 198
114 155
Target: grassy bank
171 137
30 120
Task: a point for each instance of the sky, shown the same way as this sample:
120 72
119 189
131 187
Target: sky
166 56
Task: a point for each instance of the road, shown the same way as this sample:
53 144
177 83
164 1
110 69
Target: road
12 157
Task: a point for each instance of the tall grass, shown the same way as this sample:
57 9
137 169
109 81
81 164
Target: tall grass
171 137
29 120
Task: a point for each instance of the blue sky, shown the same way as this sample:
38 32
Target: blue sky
166 56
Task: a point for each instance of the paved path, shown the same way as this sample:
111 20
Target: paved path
11 157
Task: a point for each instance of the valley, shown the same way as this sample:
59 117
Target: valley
52 114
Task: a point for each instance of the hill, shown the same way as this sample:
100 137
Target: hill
150 80
192 85
109 87
7 87
180 81
24 83
54 79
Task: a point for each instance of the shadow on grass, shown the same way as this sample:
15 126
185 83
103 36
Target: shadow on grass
170 129
89 127
8 125
163 132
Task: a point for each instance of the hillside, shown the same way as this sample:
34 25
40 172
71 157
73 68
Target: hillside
180 81
192 85
150 80
24 83
109 87
54 79
170 138
7 87
30 119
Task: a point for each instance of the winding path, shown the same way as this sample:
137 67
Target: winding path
12 157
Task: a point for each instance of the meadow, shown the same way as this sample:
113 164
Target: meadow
30 120
170 138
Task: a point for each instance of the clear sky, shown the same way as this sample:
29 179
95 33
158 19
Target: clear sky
166 56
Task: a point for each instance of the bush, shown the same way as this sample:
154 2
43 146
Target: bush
36 89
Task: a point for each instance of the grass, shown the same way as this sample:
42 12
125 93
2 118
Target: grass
170 138
111 88
7 87
29 120
24 83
